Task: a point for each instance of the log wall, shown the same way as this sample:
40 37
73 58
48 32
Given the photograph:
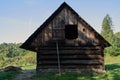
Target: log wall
70 58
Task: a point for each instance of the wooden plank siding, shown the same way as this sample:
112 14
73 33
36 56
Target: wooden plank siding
71 57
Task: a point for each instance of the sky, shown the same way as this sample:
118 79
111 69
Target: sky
20 18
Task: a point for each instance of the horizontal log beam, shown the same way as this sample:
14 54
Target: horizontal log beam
70 66
70 62
71 57
69 48
97 52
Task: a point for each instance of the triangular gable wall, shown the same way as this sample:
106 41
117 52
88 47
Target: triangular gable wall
64 15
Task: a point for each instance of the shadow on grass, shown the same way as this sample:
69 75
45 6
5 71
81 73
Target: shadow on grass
8 75
68 76
113 70
112 66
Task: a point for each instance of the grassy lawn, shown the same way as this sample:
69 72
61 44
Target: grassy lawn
28 67
7 75
112 59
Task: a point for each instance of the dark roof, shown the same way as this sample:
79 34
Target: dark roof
27 43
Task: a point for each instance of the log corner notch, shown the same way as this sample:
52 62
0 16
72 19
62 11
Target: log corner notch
80 46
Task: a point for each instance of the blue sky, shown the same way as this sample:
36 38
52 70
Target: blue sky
20 18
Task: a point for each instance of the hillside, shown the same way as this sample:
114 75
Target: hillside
11 54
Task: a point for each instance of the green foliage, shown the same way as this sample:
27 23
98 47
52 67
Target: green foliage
14 51
7 75
11 54
29 58
107 33
117 35
113 50
107 27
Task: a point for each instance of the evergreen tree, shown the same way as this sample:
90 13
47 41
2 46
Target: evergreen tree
107 31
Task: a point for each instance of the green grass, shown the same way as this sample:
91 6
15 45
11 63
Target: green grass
112 59
112 65
7 75
28 67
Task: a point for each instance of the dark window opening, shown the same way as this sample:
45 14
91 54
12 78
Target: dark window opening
83 29
71 32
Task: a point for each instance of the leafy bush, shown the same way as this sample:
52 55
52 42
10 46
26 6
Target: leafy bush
114 49
29 58
11 54
14 51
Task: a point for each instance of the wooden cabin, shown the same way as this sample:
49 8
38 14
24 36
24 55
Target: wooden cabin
65 42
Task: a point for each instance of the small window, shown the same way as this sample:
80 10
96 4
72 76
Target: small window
84 29
71 32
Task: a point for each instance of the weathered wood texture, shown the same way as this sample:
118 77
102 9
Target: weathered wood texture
71 58
55 30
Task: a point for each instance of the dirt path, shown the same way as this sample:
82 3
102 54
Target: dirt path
25 75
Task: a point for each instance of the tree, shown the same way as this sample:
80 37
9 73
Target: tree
108 34
107 31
